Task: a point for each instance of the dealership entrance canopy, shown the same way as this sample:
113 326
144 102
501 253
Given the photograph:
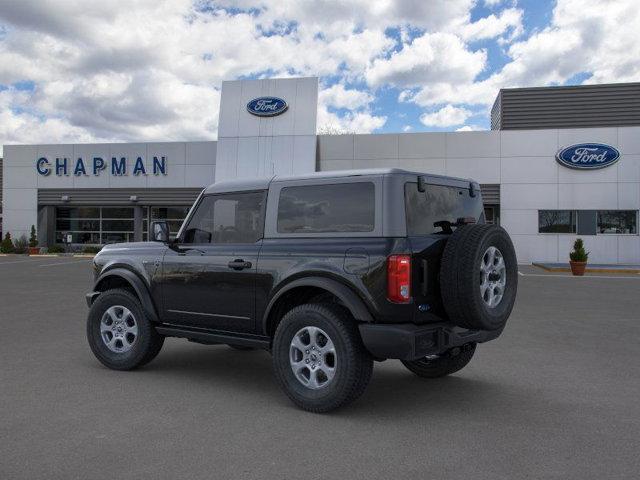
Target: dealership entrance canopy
560 162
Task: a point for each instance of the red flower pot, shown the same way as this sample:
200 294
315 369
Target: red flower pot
578 268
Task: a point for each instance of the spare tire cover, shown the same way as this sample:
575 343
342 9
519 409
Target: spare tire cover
479 277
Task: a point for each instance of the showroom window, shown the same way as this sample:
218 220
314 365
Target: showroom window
618 221
174 216
557 221
94 225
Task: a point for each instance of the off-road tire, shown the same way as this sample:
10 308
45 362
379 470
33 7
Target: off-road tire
147 345
354 364
446 364
460 277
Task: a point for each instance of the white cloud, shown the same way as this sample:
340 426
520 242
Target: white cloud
152 70
351 122
469 128
338 96
358 118
433 57
583 37
407 128
447 116
509 20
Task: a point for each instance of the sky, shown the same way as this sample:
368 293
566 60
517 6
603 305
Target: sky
76 71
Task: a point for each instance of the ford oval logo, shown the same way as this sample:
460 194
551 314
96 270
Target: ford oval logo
588 156
267 106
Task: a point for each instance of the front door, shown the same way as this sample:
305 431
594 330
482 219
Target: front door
209 274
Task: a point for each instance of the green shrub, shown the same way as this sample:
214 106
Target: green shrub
7 244
56 249
33 238
20 245
579 254
91 249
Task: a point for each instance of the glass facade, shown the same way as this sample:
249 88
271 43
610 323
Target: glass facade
618 221
174 216
102 225
556 221
94 225
588 222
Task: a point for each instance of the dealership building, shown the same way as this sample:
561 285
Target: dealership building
559 162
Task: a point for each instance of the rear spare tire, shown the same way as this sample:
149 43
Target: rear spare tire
479 277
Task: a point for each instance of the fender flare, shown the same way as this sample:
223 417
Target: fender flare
138 285
346 295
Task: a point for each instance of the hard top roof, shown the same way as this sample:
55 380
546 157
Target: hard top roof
264 182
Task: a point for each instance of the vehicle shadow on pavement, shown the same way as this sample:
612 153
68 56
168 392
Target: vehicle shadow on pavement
393 390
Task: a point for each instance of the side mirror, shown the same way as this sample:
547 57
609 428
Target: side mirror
160 232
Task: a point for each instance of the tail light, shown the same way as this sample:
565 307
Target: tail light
399 278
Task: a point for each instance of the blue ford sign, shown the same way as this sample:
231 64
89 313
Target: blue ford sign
588 156
267 106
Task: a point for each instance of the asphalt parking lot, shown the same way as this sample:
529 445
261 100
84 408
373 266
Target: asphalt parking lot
557 396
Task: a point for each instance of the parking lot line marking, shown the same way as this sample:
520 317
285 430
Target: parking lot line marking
573 276
63 263
21 261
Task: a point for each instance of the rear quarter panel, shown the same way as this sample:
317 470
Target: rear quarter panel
359 263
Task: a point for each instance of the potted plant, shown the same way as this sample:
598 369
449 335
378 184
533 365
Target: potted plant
578 258
7 244
33 242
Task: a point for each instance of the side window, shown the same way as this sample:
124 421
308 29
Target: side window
342 207
227 218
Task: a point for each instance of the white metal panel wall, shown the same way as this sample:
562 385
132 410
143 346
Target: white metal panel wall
252 146
523 163
189 164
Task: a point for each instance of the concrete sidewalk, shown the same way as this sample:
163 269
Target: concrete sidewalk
591 267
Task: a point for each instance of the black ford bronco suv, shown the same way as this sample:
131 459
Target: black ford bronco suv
328 272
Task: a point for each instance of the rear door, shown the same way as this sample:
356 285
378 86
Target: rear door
431 218
209 274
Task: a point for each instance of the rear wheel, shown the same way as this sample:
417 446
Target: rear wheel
319 359
441 365
119 333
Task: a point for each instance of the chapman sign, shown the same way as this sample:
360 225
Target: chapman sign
588 156
96 165
267 106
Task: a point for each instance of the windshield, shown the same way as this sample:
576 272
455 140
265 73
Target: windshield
439 209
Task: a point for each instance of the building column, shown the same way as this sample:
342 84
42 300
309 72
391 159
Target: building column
138 217
46 226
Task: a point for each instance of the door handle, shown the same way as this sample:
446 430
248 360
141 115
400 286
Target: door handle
239 264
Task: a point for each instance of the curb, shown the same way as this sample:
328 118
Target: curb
588 269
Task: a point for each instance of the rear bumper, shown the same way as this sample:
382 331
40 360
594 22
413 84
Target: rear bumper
406 341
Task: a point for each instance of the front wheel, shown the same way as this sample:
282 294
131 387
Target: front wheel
119 333
442 365
319 359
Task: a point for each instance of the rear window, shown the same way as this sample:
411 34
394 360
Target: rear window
344 207
438 208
